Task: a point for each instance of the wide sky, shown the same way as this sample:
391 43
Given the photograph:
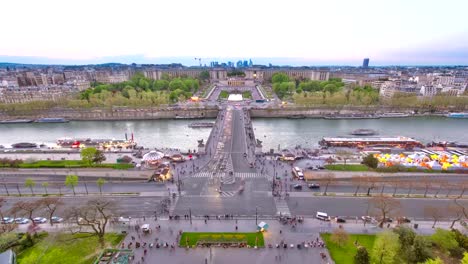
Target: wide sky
307 32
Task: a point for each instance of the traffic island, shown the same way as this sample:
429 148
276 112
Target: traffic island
221 239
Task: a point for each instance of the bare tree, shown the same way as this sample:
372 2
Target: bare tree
327 179
439 184
384 206
95 215
370 183
339 236
345 155
435 212
25 208
458 211
383 182
463 185
357 180
51 204
4 228
409 184
396 183
449 188
426 183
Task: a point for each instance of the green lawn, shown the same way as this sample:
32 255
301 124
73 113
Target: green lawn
223 95
249 238
67 249
345 254
347 167
247 95
71 164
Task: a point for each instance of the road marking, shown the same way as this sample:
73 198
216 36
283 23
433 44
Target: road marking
282 207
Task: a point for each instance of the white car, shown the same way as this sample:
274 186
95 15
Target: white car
7 220
21 220
56 219
39 220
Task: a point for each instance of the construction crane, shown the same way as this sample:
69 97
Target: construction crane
199 60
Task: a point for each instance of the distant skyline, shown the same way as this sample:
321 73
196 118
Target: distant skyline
309 33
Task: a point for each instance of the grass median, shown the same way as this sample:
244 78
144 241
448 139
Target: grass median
72 164
347 167
345 254
192 238
67 248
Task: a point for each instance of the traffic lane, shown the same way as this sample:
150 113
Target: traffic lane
239 162
128 187
124 206
345 206
349 188
203 205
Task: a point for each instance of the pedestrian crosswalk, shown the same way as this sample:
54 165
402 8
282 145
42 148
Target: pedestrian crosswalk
203 174
227 194
248 175
282 207
242 175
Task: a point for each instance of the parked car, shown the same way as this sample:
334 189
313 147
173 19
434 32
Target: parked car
21 220
297 187
387 220
313 186
367 218
39 220
404 220
7 220
339 219
56 219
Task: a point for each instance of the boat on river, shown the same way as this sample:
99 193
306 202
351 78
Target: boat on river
394 115
201 124
364 132
98 143
51 120
458 115
356 116
24 145
16 121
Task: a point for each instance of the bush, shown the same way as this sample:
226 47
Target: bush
125 159
7 240
462 239
362 256
370 161
457 252
339 237
444 239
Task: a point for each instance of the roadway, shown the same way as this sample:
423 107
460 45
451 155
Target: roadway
239 143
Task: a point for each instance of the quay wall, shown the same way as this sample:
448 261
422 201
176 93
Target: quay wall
196 112
116 114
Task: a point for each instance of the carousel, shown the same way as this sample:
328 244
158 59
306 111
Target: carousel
153 158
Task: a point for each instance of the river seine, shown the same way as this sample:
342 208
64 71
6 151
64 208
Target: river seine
274 132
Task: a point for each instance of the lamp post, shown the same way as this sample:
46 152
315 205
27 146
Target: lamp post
256 215
178 183
190 214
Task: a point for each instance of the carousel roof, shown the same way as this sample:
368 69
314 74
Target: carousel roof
153 155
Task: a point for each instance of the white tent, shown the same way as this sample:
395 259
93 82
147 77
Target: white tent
153 156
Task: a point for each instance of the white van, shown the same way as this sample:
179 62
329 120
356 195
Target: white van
322 216
297 172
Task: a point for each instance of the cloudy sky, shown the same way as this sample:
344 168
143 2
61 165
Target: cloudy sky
307 32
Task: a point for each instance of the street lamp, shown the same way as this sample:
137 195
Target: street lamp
190 214
256 215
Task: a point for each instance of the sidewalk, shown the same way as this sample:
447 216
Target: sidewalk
92 172
277 232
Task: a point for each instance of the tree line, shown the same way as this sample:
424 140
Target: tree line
92 217
404 245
